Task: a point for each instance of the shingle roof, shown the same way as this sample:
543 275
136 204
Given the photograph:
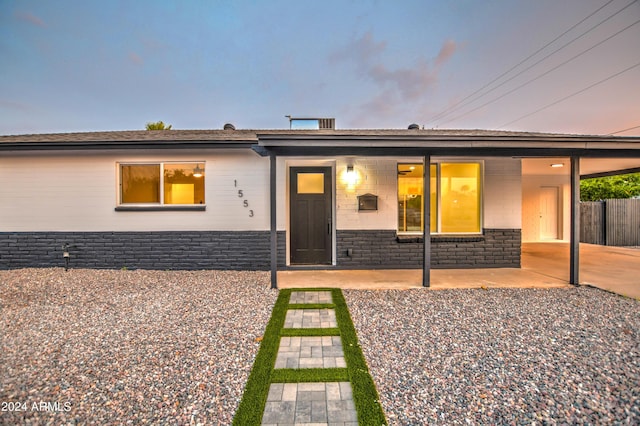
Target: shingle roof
136 135
152 139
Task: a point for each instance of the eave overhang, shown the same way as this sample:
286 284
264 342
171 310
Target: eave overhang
467 145
123 145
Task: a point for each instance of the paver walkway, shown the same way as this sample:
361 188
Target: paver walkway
310 352
310 318
306 297
310 404
324 403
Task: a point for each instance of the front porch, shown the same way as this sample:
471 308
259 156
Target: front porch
544 265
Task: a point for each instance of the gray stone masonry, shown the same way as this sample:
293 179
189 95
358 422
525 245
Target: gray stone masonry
495 248
250 250
245 250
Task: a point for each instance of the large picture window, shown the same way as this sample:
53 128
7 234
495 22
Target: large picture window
455 198
162 184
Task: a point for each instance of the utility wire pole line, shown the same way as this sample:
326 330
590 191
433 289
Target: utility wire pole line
624 130
571 95
543 74
462 103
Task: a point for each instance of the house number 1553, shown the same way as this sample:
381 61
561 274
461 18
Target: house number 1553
245 203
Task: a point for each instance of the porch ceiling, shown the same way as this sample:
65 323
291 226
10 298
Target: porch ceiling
588 166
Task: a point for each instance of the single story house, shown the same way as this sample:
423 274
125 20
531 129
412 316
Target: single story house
315 197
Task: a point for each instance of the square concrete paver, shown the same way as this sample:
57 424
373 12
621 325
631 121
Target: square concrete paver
310 352
310 318
310 297
310 404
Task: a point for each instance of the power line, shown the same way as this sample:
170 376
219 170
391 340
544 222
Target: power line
543 74
572 95
547 56
462 103
622 131
453 107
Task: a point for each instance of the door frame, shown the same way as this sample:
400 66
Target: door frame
300 162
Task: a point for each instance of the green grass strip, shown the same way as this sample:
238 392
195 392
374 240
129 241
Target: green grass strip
288 375
310 332
365 395
312 306
255 394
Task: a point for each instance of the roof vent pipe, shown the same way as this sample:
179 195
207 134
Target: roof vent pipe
413 126
229 126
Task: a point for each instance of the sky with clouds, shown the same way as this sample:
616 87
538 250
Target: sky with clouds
570 66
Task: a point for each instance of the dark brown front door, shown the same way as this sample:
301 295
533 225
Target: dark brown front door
310 215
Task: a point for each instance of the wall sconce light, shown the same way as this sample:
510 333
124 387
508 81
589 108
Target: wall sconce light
350 177
556 165
197 172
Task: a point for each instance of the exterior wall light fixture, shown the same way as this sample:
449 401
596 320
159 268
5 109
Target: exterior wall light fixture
350 177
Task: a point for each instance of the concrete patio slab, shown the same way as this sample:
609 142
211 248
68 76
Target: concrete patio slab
615 269
544 265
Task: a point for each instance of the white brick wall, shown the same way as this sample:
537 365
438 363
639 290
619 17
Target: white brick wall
79 193
502 193
376 176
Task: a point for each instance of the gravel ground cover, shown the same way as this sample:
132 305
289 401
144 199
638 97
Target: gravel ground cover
502 356
128 347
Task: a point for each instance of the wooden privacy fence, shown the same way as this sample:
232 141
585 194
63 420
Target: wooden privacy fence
610 222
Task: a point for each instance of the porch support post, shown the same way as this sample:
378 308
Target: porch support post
574 245
426 208
274 223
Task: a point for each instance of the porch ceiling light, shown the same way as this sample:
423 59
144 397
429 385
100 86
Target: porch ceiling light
197 172
556 165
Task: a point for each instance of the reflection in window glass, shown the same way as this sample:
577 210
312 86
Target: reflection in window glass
410 190
455 202
184 183
410 197
460 197
140 183
181 183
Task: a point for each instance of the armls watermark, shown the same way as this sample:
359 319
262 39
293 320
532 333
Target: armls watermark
44 406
